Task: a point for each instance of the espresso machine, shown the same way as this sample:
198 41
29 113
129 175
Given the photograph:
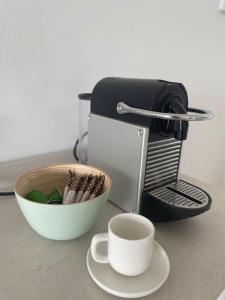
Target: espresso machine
136 129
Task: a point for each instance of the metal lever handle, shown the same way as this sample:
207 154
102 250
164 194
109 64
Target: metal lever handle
199 114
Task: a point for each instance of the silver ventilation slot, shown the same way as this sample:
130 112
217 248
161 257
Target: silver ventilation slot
162 163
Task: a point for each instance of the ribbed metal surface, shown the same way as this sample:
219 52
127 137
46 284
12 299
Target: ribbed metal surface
162 163
181 194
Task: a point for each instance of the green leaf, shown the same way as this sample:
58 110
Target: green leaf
37 196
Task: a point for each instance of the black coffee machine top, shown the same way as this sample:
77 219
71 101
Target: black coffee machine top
147 94
158 110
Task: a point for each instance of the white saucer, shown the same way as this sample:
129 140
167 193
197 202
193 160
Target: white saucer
131 287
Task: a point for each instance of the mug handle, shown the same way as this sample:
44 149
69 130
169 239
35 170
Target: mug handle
98 238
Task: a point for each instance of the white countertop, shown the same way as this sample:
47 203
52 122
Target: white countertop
32 267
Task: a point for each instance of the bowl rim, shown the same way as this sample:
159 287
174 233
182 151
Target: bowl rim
69 165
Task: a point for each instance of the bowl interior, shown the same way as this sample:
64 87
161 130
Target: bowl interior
48 178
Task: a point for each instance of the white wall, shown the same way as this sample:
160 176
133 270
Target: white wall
52 50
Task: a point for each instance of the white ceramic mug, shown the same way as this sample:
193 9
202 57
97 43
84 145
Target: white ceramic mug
130 240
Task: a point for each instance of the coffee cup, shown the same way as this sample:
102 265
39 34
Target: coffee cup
130 240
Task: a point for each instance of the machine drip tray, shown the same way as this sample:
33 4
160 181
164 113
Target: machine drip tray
181 194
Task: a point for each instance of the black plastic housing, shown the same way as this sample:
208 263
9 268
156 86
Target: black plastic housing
148 94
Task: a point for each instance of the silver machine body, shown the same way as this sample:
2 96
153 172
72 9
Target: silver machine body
121 149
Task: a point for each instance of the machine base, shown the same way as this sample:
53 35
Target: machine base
175 201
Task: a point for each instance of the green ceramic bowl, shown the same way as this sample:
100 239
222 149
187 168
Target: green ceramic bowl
59 222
